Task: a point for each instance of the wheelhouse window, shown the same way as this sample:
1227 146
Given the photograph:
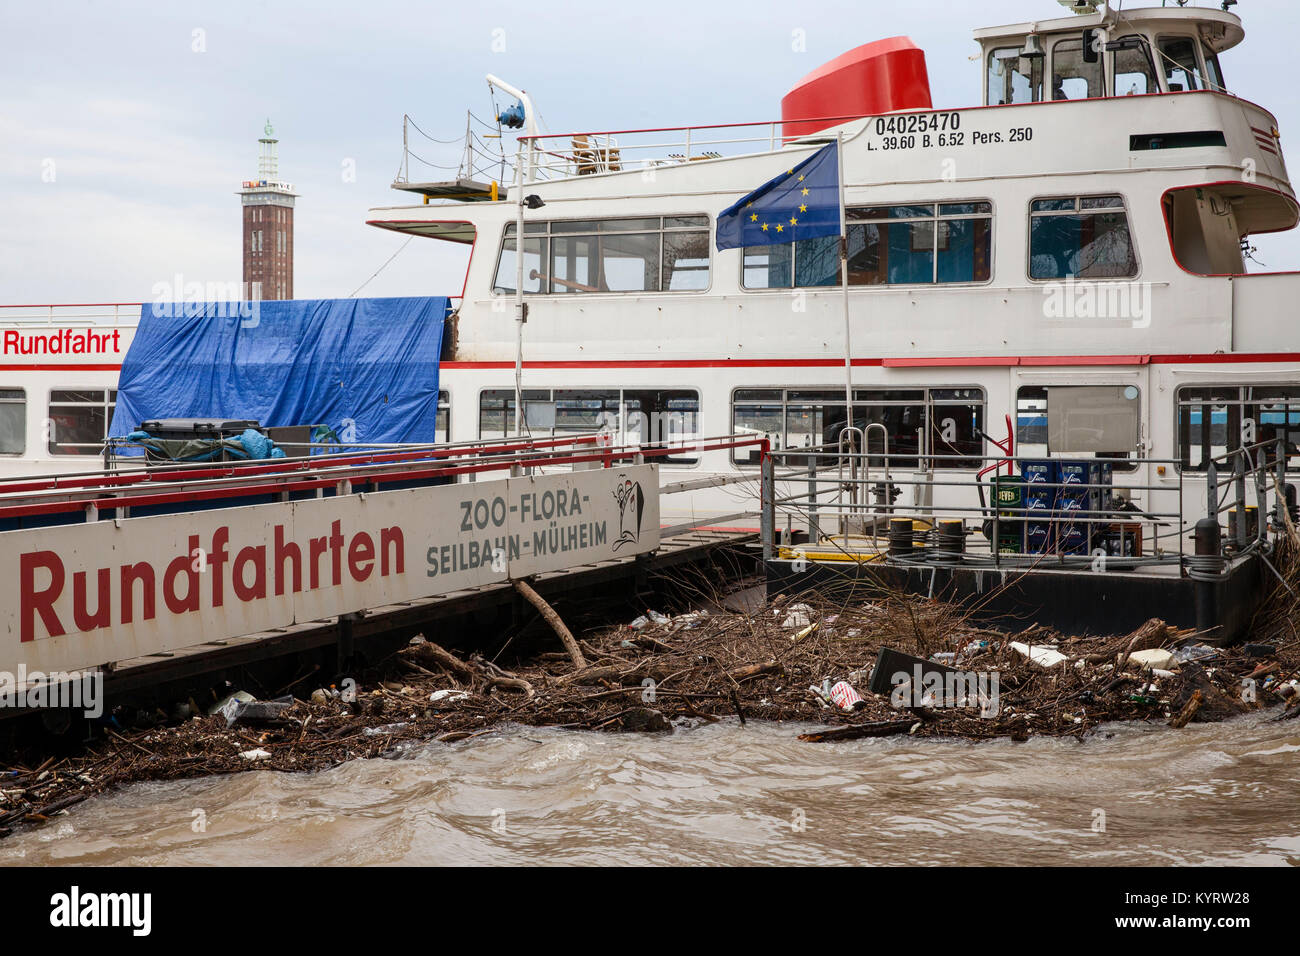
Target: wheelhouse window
79 420
571 257
630 416
1135 74
1013 78
1213 71
942 425
13 421
1079 421
916 244
1215 420
1076 69
1080 237
1178 60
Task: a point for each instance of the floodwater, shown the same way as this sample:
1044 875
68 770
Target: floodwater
725 794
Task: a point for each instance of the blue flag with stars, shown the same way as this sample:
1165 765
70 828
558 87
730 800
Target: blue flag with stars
801 203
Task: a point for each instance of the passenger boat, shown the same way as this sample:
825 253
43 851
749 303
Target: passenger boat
1058 271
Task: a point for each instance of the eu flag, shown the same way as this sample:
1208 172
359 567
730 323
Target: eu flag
801 203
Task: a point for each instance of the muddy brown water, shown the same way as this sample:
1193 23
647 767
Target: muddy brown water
724 794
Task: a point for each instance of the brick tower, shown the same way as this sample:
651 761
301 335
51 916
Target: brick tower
268 227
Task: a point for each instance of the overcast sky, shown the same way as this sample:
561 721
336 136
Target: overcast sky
125 128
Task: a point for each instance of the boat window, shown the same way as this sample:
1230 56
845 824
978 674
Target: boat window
1213 72
1013 78
79 420
1073 76
13 421
669 254
944 425
534 260
631 416
910 244
1178 60
442 426
686 262
1135 74
1084 238
1079 421
1215 420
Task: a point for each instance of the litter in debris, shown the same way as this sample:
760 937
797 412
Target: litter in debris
845 697
448 696
384 730
1042 656
241 695
255 754
797 615
1155 658
1193 652
254 711
805 632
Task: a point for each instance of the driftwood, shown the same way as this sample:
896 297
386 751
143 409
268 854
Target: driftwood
754 670
512 683
477 667
444 659
880 728
1188 712
553 619
619 673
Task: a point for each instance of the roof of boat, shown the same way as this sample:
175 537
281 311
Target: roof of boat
1233 32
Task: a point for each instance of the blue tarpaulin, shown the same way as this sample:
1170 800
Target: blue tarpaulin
368 368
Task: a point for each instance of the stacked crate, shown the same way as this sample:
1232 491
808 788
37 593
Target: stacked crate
1009 499
1060 496
1076 502
1041 479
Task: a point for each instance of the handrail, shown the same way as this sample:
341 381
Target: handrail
1260 462
169 486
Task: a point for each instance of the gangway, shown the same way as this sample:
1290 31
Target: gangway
143 573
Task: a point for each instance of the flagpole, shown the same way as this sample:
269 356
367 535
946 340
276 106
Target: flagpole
844 289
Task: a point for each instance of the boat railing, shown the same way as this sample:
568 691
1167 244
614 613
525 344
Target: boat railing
892 512
71 314
112 492
567 155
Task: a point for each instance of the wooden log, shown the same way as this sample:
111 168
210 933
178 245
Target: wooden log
879 728
1188 712
512 683
553 619
444 659
754 670
61 804
620 673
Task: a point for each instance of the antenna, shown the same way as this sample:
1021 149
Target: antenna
268 164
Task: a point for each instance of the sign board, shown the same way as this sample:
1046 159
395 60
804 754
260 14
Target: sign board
76 596
94 345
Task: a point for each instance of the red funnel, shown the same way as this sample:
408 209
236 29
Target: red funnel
877 77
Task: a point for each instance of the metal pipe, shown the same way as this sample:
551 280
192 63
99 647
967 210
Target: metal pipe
520 306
